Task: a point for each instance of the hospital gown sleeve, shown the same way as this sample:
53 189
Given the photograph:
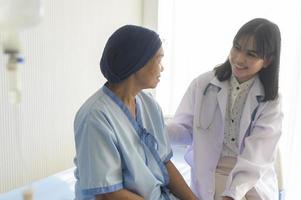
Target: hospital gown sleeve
98 158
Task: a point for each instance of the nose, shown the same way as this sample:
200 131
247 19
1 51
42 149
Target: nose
161 67
240 58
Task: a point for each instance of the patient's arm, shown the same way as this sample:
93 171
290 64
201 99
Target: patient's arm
177 184
119 195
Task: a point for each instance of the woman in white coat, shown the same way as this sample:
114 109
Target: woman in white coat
231 118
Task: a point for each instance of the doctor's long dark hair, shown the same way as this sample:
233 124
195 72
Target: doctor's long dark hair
268 42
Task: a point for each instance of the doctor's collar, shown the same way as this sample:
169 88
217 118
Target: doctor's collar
215 83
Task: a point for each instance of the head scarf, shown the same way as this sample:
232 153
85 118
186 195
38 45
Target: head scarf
127 50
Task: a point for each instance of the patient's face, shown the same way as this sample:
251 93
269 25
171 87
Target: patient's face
149 75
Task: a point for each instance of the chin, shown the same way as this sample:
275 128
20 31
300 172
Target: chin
153 86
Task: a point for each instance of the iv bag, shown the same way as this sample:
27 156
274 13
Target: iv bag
17 15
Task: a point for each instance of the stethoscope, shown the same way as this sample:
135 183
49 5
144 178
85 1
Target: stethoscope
211 87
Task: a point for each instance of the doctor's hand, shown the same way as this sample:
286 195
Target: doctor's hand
227 198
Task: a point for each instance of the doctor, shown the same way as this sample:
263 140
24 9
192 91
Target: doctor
231 118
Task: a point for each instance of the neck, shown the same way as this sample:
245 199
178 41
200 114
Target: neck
126 91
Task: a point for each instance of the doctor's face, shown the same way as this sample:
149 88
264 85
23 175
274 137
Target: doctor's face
244 59
149 75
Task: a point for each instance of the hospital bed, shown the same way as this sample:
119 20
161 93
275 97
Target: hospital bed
61 185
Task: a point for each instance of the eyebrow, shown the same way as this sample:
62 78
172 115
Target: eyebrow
247 50
236 43
252 51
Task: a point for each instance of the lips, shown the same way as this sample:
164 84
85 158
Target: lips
238 67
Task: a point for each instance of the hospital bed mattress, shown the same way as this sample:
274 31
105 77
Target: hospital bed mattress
60 186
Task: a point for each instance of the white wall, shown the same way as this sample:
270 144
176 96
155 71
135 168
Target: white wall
61 71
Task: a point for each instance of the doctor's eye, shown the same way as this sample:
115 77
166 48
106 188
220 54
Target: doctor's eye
236 46
252 54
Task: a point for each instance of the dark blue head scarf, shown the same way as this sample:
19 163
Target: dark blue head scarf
128 49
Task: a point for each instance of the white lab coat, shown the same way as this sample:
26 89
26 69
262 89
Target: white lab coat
201 116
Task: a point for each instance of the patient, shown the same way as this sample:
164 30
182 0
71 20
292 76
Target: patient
122 150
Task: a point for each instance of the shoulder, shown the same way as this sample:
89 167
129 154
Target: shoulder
202 80
276 103
97 116
206 76
272 107
93 107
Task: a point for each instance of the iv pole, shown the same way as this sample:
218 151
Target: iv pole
16 16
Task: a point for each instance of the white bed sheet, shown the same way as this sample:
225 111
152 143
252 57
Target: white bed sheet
61 185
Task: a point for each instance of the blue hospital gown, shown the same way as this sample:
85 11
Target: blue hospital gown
111 152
